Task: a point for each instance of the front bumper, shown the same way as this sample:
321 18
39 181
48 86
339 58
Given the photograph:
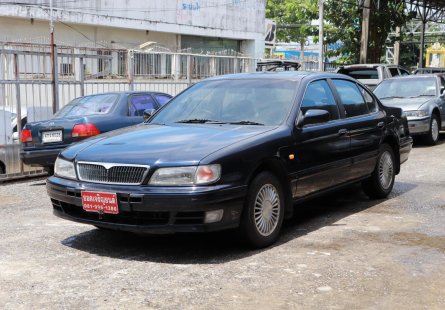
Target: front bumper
419 126
150 209
40 157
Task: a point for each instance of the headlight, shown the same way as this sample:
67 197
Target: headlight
418 113
193 175
64 168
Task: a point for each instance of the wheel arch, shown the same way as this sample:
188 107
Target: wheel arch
436 112
275 166
393 143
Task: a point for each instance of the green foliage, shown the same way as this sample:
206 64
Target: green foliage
293 13
341 16
342 24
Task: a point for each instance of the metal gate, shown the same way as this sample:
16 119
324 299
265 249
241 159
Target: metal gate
26 83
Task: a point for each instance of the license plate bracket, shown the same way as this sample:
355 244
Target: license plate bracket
52 136
100 202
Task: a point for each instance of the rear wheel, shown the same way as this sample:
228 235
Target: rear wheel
433 135
264 211
381 182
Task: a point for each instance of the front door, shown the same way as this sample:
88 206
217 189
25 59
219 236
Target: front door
321 149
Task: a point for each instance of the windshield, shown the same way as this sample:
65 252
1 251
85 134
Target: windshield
97 104
405 88
361 73
249 102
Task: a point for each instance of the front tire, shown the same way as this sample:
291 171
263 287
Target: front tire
432 136
263 211
381 182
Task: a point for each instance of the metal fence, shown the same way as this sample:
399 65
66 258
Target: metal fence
26 83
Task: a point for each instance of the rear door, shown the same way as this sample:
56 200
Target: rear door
321 149
365 123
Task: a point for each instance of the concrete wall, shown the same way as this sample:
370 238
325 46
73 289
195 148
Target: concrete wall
140 21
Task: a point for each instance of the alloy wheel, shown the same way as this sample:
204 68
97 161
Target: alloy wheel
267 210
386 170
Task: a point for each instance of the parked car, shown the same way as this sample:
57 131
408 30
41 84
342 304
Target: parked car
9 142
277 65
429 70
234 151
422 98
372 74
82 118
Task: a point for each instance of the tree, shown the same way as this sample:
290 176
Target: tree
293 19
340 16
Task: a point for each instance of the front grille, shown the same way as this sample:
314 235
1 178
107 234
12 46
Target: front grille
112 173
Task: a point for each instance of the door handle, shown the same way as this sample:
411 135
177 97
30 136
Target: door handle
380 124
342 132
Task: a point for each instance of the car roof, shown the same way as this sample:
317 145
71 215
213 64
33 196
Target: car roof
369 66
284 75
416 76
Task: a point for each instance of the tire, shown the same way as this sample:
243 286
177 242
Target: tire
432 137
381 182
49 170
263 211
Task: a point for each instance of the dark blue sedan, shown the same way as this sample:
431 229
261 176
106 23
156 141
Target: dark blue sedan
82 118
234 151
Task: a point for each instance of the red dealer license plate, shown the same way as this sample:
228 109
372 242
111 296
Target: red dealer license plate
100 202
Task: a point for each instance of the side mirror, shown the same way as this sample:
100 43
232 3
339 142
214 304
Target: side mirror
148 113
313 116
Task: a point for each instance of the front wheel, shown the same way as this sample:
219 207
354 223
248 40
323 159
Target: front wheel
381 182
264 211
432 137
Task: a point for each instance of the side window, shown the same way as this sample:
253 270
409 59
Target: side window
162 99
319 96
139 103
370 102
403 72
394 71
351 98
442 85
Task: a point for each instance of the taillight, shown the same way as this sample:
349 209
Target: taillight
84 130
26 136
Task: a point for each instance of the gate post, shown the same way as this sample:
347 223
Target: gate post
130 69
18 103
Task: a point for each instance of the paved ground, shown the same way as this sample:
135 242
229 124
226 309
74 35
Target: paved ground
340 252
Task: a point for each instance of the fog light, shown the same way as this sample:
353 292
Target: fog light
213 216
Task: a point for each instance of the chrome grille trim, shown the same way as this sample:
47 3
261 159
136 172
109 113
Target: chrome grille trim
111 173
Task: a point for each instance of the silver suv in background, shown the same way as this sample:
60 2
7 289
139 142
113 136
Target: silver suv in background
372 74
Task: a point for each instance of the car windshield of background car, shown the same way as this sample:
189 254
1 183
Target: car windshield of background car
406 88
98 104
249 102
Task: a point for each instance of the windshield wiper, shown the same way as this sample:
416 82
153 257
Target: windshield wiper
246 123
423 95
199 121
391 97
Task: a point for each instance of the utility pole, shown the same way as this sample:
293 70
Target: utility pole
320 34
397 47
365 32
53 65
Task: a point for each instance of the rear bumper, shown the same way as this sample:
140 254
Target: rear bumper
406 144
148 209
40 157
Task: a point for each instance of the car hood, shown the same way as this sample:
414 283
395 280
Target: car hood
184 144
407 104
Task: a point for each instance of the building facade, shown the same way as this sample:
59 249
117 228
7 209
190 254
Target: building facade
197 26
